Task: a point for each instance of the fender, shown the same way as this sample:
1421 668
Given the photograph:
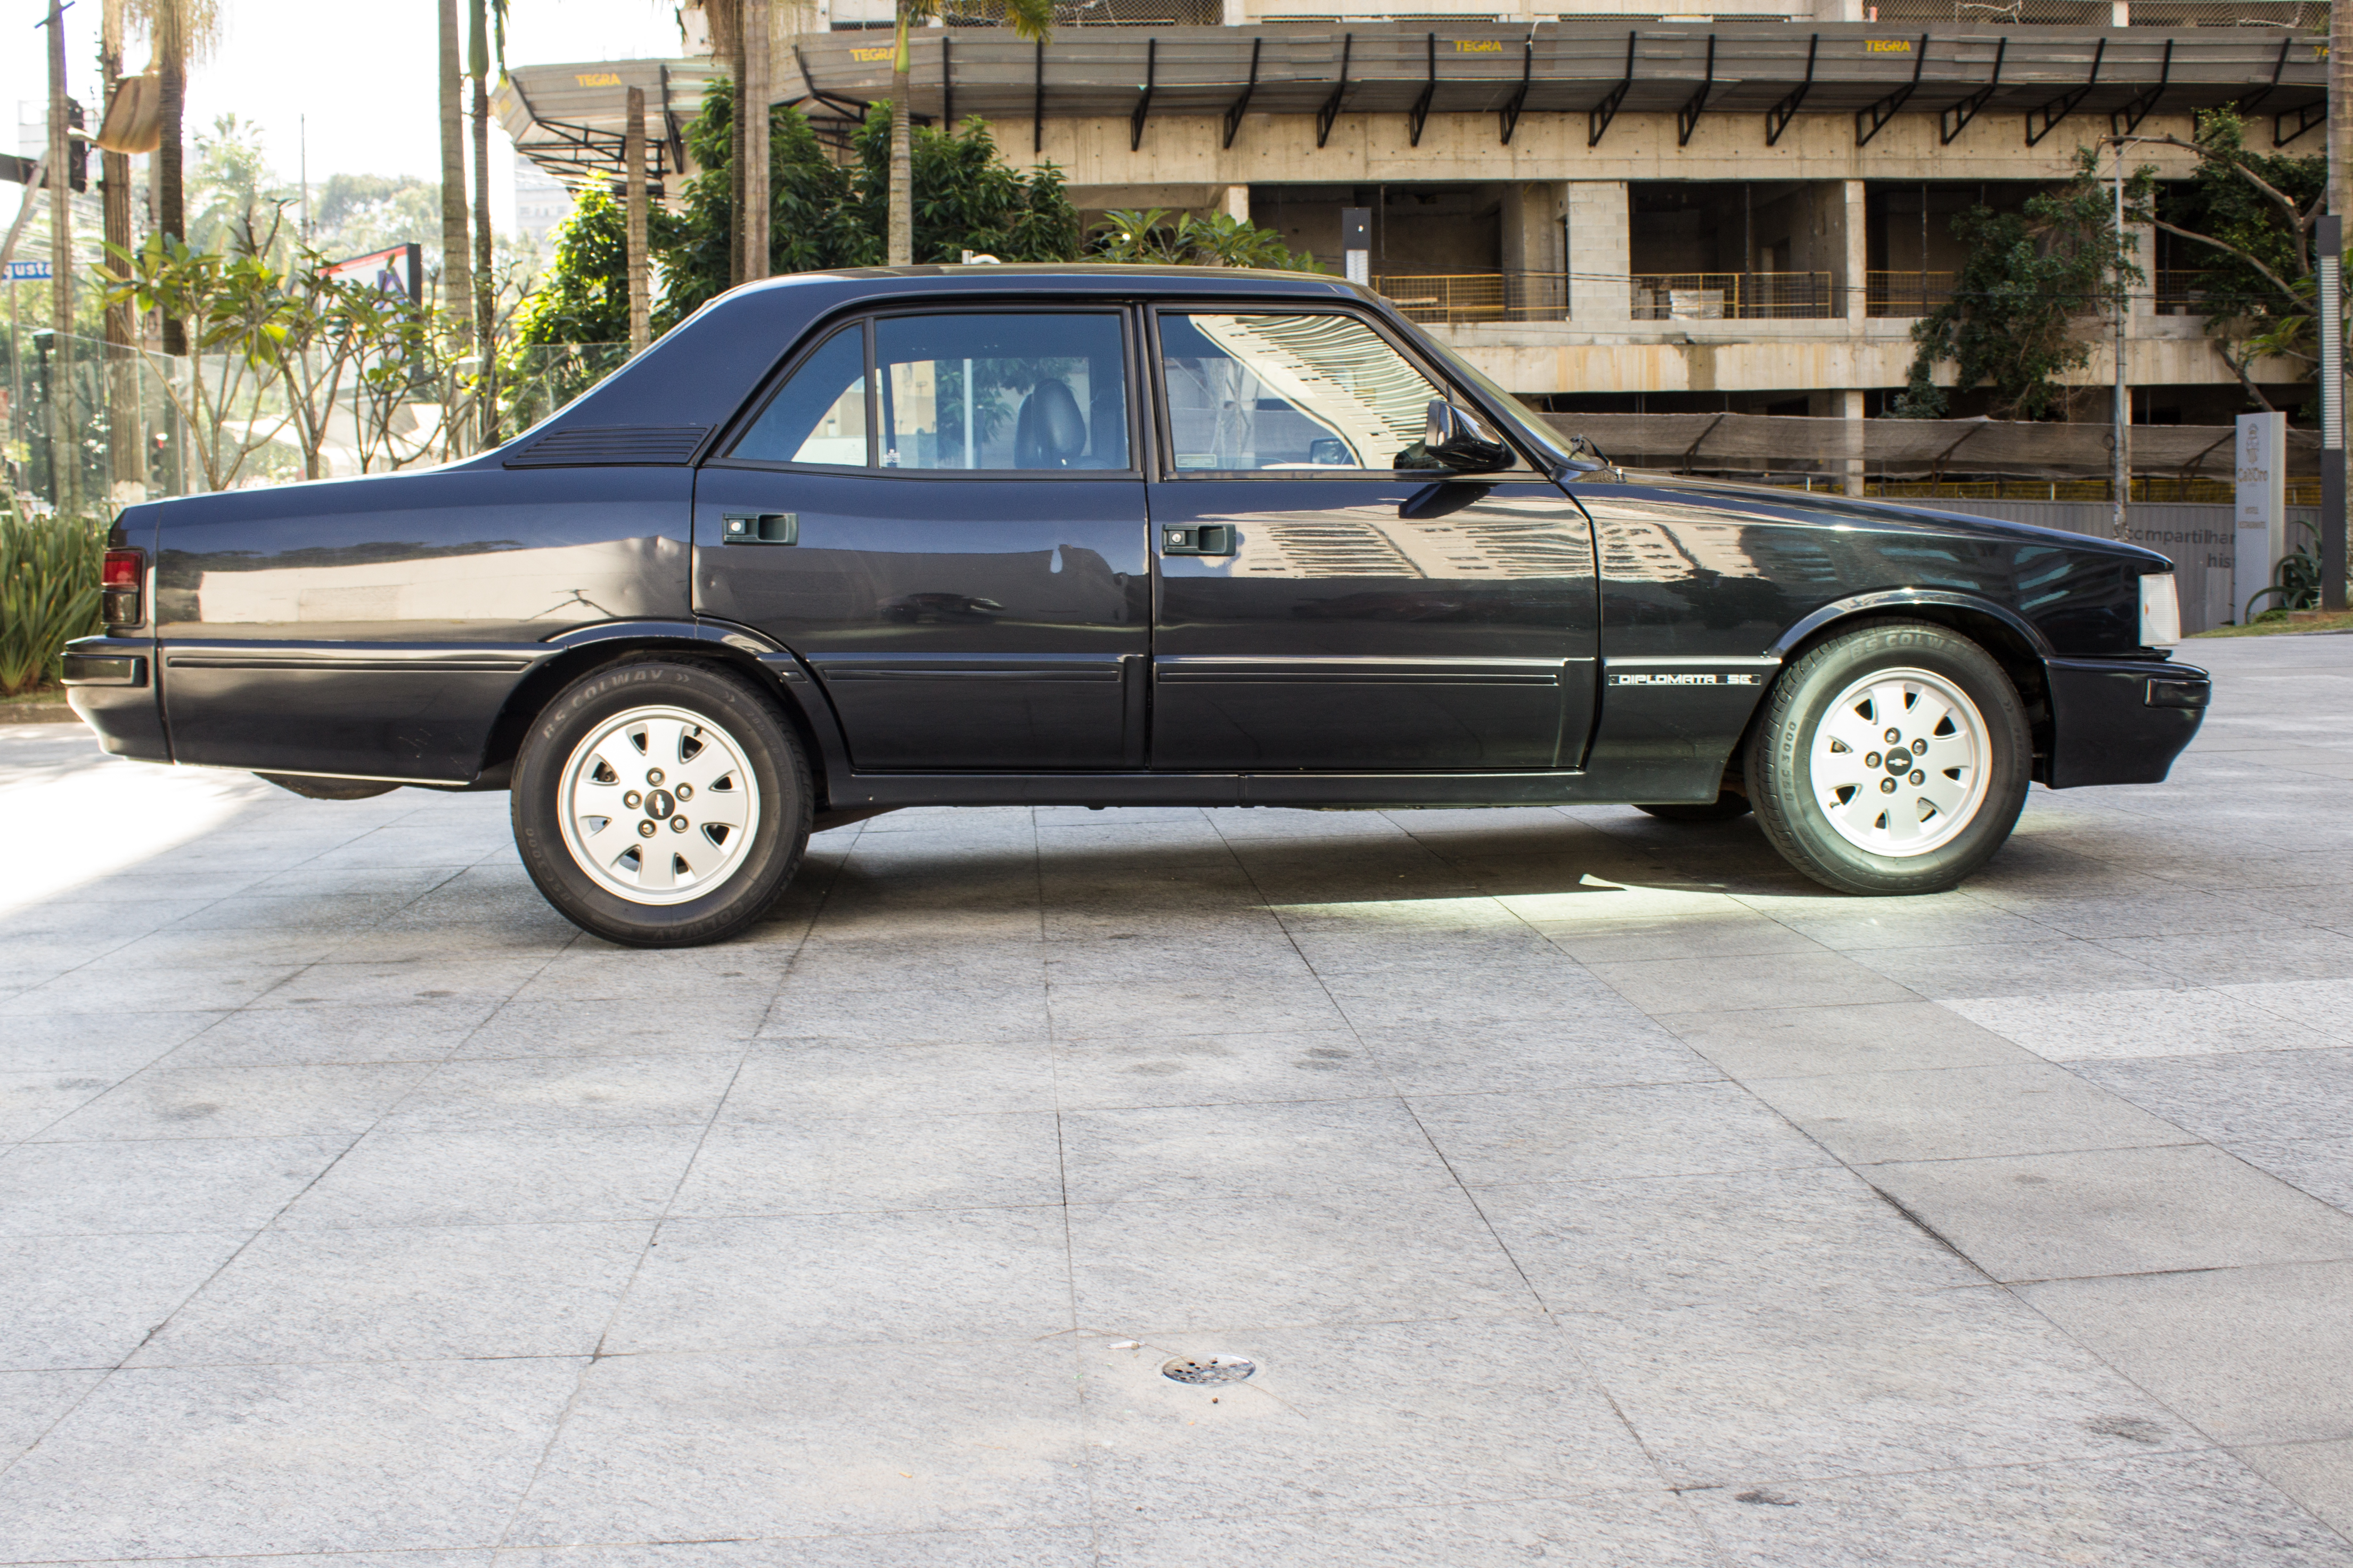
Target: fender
798 686
1901 598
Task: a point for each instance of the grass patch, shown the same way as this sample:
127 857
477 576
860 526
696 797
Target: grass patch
2274 621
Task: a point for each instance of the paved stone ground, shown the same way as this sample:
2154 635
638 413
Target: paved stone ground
1586 1188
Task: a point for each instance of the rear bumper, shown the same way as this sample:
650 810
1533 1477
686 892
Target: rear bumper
111 682
2121 721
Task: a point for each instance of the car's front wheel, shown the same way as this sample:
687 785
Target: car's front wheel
660 803
1892 759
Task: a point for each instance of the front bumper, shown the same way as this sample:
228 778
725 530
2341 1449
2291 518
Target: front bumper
2121 721
111 682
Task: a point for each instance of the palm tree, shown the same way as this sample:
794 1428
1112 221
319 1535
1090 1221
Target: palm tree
1030 19
181 31
478 67
456 276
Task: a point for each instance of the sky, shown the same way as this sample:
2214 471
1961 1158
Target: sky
355 81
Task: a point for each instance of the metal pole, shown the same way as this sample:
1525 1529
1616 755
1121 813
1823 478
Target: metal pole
2120 479
2332 412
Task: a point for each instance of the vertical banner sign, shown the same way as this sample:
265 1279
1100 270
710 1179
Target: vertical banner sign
2262 510
1356 243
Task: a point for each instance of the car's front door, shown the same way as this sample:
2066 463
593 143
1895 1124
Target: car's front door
942 514
1321 604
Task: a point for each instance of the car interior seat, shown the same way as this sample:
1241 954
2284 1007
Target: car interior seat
1050 432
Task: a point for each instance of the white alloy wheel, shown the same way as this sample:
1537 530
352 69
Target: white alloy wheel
658 805
1898 763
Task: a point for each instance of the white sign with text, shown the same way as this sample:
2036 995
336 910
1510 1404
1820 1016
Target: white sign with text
2262 510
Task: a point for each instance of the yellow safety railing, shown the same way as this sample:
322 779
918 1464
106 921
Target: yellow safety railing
1905 293
1732 296
1452 299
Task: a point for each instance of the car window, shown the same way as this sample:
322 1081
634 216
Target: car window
1001 390
1301 393
820 414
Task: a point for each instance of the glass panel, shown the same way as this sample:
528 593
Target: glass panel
818 415
1002 392
1297 393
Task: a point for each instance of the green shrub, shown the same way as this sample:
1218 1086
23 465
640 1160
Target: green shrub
49 591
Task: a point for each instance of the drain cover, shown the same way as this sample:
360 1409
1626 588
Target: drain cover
1208 1369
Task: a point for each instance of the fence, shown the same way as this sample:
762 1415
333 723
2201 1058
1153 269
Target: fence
87 426
1453 299
2200 542
1732 296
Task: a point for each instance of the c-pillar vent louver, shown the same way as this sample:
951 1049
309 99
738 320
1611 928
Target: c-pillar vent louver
613 445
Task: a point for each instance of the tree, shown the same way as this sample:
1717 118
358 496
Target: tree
1028 18
239 207
456 274
2015 322
181 31
584 295
963 196
355 213
477 68
1220 239
2252 217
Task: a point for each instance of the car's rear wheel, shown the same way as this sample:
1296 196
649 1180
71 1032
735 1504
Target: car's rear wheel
660 803
1727 805
1892 759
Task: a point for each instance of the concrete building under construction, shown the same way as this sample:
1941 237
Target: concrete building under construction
1740 213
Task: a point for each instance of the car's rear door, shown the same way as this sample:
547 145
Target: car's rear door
1320 608
941 512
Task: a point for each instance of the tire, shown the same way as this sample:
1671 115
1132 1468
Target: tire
1725 807
1819 759
598 781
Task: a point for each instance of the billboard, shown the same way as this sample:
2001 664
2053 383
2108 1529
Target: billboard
399 270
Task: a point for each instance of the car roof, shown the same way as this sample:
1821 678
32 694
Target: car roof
1068 276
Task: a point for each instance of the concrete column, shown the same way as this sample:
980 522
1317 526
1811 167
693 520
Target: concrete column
1851 409
1600 251
2141 238
2119 13
1237 13
1534 247
1853 277
1235 203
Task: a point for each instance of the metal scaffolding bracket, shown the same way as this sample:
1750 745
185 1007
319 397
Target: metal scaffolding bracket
2247 105
672 132
1234 115
2061 107
1144 104
1692 451
853 108
1420 116
947 86
1778 118
1598 118
2124 122
1037 114
1510 116
1869 122
1331 109
1952 122
1687 117
2311 117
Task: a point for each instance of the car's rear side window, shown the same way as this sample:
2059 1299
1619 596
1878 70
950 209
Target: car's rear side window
991 389
820 414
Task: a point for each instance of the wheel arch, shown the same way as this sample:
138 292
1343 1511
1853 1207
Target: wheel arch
773 671
2015 643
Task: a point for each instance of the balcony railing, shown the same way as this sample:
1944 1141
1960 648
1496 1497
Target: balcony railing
1905 293
1733 296
1453 299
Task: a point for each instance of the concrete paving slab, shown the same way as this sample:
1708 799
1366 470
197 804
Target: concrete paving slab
1960 1112
1869 1036
2317 1475
2251 1355
2117 1211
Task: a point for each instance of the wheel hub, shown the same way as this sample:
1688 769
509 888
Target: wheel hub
1898 763
626 811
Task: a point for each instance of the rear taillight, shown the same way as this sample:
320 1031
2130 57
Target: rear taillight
121 586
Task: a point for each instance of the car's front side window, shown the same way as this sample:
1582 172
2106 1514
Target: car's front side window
1289 393
1002 389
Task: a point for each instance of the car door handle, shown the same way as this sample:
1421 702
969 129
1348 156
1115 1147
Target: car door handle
761 528
1198 539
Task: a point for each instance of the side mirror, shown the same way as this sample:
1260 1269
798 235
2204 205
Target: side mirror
1461 441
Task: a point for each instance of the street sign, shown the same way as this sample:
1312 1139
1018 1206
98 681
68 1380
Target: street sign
28 272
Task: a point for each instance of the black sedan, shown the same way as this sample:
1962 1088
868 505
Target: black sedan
1109 536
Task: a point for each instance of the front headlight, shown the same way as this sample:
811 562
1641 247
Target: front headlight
2160 610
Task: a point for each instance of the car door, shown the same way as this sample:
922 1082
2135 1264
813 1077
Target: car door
941 513
1323 602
